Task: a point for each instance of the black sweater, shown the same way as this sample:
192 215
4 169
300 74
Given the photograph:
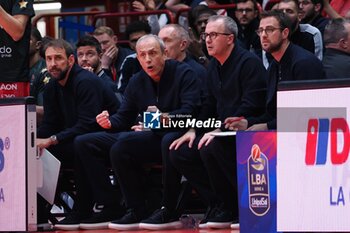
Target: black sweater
71 110
236 88
295 64
177 92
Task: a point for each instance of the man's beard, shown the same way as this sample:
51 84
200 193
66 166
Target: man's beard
63 74
94 66
308 18
275 47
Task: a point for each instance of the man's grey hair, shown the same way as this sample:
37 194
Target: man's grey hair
335 31
156 38
181 32
229 23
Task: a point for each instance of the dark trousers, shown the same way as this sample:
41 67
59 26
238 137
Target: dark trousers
64 152
187 161
128 155
171 178
211 171
219 159
93 166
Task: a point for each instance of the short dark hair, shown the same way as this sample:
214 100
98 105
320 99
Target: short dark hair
36 34
296 2
283 19
60 43
318 2
196 12
89 40
44 41
255 4
335 31
137 26
200 10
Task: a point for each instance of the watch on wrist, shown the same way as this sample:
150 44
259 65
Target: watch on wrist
54 140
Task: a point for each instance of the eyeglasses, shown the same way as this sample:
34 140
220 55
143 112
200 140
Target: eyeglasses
213 35
268 30
246 10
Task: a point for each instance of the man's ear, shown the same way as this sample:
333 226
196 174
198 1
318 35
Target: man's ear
183 45
343 43
256 13
232 38
285 33
115 38
38 45
71 60
166 52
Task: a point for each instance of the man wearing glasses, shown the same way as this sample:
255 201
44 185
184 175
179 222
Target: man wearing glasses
247 14
304 35
236 83
310 12
290 62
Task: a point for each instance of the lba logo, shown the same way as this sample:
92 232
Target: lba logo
318 132
258 182
151 120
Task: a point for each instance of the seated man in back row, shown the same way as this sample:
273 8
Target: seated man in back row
89 53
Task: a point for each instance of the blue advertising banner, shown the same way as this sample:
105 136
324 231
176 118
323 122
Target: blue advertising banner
256 173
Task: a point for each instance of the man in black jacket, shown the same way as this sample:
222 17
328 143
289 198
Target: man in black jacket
236 86
72 99
336 59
